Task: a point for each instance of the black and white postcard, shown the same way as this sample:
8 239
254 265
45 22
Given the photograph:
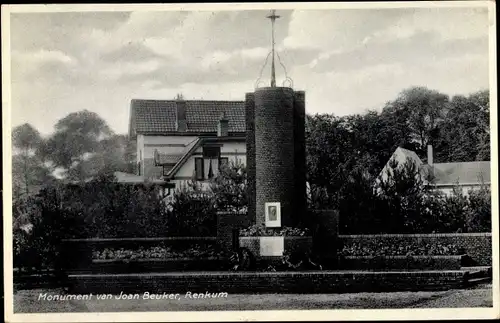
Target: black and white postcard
237 162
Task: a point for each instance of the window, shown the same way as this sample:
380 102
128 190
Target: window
211 152
199 169
139 163
223 161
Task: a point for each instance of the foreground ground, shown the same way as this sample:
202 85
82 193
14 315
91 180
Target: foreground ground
26 301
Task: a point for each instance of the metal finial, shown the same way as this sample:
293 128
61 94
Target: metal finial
273 18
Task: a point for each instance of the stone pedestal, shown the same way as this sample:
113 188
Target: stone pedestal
276 246
227 223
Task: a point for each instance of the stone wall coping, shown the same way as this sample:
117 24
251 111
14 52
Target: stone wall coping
418 235
405 257
139 239
284 236
324 210
225 274
231 212
159 260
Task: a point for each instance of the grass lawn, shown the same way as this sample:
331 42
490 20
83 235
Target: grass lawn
26 301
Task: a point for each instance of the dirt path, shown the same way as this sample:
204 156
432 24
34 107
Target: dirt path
479 296
27 301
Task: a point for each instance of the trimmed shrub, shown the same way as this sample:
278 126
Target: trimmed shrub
191 212
157 252
262 231
478 215
403 203
229 187
411 248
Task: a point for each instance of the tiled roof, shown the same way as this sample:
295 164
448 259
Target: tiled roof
168 159
159 116
463 173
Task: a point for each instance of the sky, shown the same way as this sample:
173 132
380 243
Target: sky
347 60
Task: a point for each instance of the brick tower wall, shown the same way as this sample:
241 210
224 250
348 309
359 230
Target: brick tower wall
299 136
274 151
250 146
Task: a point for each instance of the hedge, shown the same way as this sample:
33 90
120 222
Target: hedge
103 210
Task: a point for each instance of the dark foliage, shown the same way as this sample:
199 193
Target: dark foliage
103 209
346 154
262 231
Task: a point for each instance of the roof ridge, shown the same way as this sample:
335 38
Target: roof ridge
195 100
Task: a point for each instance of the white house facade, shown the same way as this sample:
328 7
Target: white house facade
181 140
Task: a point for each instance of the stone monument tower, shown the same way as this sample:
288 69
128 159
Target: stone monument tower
275 118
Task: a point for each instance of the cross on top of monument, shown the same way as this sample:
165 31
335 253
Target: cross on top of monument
273 15
273 18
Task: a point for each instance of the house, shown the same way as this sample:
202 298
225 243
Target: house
443 176
180 140
401 156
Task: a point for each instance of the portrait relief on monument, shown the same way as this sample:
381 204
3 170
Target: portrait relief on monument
273 214
250 162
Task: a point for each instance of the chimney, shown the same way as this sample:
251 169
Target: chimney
180 116
430 156
223 126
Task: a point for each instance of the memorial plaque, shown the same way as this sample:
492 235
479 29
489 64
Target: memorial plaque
272 246
273 215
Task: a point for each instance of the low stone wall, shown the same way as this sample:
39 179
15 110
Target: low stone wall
108 266
268 282
77 253
476 245
402 263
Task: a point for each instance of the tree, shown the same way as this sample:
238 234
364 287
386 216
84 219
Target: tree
358 204
481 101
76 139
375 136
328 146
342 148
26 139
28 175
112 154
424 110
29 172
465 131
402 194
